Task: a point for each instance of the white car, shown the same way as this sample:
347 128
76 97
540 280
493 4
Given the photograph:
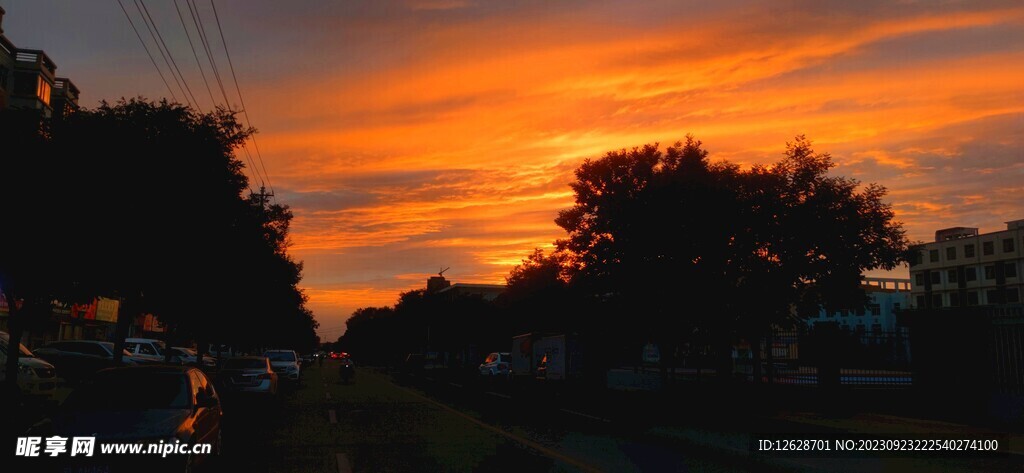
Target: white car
36 378
497 364
285 363
189 356
146 349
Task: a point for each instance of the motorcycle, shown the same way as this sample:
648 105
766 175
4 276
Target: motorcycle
346 371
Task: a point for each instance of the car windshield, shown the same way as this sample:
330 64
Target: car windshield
186 352
132 390
245 363
280 355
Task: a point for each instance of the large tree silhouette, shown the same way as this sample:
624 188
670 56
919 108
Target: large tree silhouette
154 208
692 248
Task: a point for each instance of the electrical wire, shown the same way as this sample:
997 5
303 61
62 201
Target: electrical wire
137 35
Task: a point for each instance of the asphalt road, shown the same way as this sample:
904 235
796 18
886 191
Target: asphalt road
376 425
379 424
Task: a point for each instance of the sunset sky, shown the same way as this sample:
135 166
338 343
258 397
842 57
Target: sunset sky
413 135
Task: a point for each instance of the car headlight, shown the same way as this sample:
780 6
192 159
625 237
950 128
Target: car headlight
26 370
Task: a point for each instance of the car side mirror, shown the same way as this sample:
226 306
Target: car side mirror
205 400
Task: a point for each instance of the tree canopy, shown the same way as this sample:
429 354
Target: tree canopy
688 244
154 208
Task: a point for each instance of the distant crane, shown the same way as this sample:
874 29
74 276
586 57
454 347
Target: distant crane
441 272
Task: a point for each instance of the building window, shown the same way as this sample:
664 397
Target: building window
1012 295
951 253
916 257
1010 270
933 256
951 276
896 307
936 300
972 297
990 272
4 72
875 309
969 250
954 299
920 302
970 274
988 248
876 329
936 277
919 279
993 296
24 83
1008 245
43 90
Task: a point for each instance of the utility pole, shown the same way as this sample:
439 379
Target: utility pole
261 197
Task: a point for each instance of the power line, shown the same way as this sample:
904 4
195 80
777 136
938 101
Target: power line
194 54
198 22
171 56
197 19
137 35
240 99
162 54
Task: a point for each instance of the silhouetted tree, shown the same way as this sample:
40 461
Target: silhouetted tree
156 210
682 246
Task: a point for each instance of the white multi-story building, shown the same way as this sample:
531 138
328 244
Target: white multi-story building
887 297
963 268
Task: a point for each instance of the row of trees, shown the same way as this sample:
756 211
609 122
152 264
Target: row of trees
664 245
145 202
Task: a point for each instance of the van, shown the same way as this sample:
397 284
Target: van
146 349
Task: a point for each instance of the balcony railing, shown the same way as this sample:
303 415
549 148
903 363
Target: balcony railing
64 86
36 58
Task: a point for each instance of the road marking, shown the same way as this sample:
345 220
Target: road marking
504 396
343 465
328 395
456 385
588 416
515 438
333 416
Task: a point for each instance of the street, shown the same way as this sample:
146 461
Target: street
374 425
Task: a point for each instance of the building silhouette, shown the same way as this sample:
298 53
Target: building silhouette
28 80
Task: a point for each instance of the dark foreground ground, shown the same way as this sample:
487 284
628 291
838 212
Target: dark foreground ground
383 423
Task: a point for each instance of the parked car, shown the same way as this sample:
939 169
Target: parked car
78 359
36 378
497 364
248 374
285 363
143 404
147 349
188 356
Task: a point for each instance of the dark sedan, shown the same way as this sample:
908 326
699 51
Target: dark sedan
76 360
248 374
147 404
